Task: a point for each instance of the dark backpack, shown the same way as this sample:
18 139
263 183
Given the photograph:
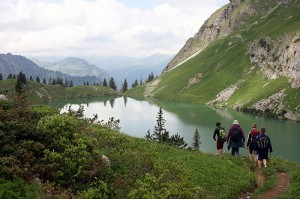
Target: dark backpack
235 134
262 142
253 137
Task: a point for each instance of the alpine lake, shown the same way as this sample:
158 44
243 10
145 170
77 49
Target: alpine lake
138 116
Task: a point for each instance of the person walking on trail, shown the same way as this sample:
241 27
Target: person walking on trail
253 134
236 138
221 137
262 147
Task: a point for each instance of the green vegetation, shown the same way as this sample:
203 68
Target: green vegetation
38 92
226 62
44 154
162 135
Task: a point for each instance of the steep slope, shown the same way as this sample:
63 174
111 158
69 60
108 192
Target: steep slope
246 56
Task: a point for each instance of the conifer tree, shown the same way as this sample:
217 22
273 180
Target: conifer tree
105 82
112 83
37 79
10 76
1 76
124 86
161 134
135 84
196 140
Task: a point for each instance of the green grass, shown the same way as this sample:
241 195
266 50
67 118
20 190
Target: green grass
43 93
227 60
213 174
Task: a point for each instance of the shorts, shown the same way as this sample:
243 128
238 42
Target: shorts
220 144
251 149
262 156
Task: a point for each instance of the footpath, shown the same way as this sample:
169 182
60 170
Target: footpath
281 185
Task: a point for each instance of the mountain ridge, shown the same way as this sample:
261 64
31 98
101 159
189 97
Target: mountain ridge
13 64
254 66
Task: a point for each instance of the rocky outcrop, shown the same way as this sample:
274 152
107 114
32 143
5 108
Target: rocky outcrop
278 58
223 22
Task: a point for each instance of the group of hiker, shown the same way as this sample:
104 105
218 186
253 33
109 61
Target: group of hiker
258 143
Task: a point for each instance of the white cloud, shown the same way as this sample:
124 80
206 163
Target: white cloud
99 27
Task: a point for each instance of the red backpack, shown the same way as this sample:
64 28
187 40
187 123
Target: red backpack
253 136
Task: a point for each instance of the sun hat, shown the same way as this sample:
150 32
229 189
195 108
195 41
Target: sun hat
235 122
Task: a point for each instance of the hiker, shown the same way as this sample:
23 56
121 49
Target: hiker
236 138
253 134
221 137
262 147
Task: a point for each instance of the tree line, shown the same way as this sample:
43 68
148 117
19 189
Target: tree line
69 83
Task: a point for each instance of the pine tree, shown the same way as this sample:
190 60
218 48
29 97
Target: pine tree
196 140
20 81
112 83
38 79
124 86
135 84
161 134
10 76
105 82
159 129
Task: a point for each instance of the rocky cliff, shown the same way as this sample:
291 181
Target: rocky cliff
223 22
248 55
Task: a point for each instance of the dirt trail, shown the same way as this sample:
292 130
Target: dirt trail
282 183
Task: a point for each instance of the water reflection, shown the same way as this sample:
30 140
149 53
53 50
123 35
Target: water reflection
138 116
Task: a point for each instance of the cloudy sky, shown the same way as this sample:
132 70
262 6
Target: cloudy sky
100 27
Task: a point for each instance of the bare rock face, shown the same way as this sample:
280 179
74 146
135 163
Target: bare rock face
220 24
278 58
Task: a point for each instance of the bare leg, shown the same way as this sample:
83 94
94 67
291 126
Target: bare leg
265 162
255 159
259 164
250 155
220 151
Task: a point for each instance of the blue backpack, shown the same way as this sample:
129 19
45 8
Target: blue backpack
262 142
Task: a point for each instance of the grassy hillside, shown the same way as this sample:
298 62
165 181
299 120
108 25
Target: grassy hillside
42 92
226 62
44 154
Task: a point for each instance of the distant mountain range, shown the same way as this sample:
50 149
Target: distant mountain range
13 64
133 68
74 67
118 67
80 71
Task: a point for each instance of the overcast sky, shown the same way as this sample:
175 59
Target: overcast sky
100 27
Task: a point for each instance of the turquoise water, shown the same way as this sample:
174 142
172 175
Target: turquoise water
137 117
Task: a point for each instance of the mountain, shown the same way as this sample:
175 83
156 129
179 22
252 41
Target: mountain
74 67
13 64
131 69
246 56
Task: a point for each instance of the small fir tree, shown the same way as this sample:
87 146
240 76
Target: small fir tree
124 86
112 83
162 135
196 140
104 82
38 79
